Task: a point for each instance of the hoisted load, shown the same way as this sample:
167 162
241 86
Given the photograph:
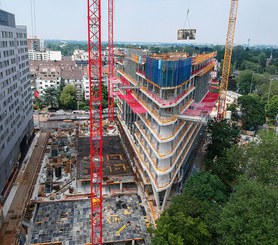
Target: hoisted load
187 33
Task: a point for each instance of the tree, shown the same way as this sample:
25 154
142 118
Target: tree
38 104
272 108
181 228
249 65
205 186
251 216
68 97
222 135
271 69
257 160
263 89
192 215
244 80
252 111
50 97
228 167
261 159
233 108
84 105
104 97
262 59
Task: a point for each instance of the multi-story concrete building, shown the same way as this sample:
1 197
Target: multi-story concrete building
45 55
158 91
34 43
85 80
16 122
79 55
45 74
36 50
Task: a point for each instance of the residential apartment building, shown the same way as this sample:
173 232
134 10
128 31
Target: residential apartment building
36 50
45 55
34 43
16 121
157 92
45 74
85 80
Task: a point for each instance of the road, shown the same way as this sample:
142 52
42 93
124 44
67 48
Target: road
25 181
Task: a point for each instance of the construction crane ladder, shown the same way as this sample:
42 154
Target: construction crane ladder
95 84
110 59
227 60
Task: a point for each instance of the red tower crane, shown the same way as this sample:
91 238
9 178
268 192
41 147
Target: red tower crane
110 58
95 84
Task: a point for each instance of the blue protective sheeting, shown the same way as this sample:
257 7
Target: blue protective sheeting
166 73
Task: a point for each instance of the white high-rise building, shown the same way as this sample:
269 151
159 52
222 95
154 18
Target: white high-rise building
16 121
161 108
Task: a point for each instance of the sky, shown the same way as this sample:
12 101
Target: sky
152 20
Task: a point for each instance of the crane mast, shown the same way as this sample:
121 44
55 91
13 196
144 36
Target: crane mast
95 84
227 60
110 58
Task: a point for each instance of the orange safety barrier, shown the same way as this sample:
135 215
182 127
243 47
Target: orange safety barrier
202 57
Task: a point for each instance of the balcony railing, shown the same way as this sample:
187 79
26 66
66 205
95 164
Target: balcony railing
150 159
160 137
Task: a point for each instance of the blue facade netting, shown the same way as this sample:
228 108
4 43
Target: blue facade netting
166 73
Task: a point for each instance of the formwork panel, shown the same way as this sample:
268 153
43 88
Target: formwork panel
114 159
69 221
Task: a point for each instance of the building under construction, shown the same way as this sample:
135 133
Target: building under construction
164 102
59 210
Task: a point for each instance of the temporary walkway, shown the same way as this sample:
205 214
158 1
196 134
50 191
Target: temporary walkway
204 107
135 106
24 181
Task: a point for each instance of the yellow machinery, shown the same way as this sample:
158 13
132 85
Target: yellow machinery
123 227
227 59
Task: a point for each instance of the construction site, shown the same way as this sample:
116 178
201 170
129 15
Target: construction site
61 197
106 181
145 154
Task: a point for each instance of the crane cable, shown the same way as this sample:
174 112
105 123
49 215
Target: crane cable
33 17
32 20
187 19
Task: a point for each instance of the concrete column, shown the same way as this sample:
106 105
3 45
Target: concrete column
121 186
133 242
124 111
167 193
156 198
160 93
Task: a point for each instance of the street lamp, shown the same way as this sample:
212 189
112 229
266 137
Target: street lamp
251 83
269 90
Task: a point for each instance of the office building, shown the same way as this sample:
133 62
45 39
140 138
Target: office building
16 121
